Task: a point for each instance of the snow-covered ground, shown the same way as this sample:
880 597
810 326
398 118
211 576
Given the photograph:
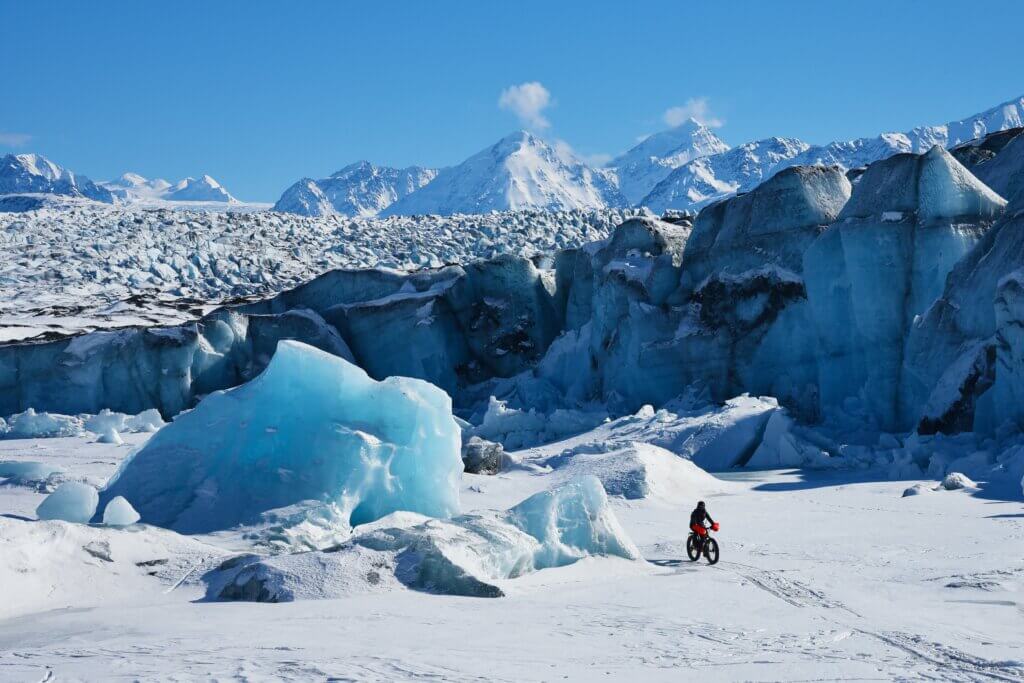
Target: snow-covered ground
85 265
824 576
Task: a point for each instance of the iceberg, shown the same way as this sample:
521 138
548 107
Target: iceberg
72 501
312 426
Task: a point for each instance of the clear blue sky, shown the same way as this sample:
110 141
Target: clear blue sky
259 94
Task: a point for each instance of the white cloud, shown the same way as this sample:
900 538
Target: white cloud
14 139
696 108
527 101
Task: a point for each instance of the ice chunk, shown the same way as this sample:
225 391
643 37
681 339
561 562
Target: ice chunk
957 480
729 436
105 421
480 456
33 425
110 436
572 521
781 447
312 426
641 470
146 421
119 512
467 555
917 490
72 502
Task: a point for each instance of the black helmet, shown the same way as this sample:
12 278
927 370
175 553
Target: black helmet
700 504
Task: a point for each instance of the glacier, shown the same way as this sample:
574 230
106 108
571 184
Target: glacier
884 301
311 427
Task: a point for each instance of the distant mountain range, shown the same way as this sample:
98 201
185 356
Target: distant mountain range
684 168
697 183
359 189
131 187
35 174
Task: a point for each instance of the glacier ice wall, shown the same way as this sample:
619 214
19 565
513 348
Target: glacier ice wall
312 426
135 370
910 219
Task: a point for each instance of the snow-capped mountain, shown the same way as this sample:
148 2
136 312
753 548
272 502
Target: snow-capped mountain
694 184
35 174
359 189
205 189
132 187
1009 114
305 198
650 162
520 171
703 180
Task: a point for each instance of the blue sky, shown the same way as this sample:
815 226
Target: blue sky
259 94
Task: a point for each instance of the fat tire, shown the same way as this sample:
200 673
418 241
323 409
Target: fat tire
711 551
691 548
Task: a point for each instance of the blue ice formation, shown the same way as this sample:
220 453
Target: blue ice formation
72 501
119 512
467 555
312 426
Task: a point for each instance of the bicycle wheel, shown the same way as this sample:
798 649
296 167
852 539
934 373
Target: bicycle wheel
711 551
691 548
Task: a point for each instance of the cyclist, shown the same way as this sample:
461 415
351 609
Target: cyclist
697 519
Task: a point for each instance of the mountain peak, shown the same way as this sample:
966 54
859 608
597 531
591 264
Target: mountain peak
653 158
35 174
358 189
519 171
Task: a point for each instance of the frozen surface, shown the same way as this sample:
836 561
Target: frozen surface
884 597
27 473
312 426
72 501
